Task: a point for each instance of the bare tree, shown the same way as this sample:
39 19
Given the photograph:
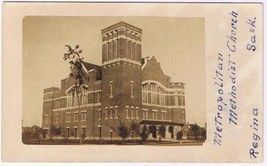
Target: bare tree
135 129
78 73
123 131
76 67
144 133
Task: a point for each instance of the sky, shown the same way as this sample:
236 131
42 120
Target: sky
177 43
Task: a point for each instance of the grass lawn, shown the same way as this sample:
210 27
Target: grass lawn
112 142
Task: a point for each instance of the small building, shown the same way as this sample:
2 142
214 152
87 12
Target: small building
124 88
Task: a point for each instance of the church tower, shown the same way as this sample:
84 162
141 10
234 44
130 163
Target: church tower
121 75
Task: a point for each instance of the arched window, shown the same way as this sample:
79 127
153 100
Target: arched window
153 93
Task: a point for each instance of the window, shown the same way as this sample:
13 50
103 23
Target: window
176 100
85 98
132 113
127 112
154 114
46 119
116 112
98 97
68 117
99 114
75 132
132 93
75 117
106 111
183 116
70 101
153 94
83 131
83 115
56 104
163 115
137 112
146 115
56 118
145 94
75 100
115 49
111 113
111 89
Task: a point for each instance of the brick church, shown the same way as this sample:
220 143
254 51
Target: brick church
124 88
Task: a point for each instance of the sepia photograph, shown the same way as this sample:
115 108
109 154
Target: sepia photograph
114 80
132 83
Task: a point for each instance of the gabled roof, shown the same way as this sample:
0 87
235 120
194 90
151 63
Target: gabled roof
90 66
144 60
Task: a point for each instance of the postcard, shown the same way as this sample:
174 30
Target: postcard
132 82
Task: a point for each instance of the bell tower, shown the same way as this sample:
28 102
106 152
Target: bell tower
121 74
121 41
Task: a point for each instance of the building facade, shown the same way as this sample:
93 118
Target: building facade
125 88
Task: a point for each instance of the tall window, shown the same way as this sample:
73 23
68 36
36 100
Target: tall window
85 98
98 97
68 117
163 115
132 90
183 116
46 119
111 89
99 114
56 118
146 114
83 115
106 114
111 113
70 100
115 49
56 104
75 119
153 94
127 112
176 99
75 100
137 113
154 114
183 101
116 113
132 113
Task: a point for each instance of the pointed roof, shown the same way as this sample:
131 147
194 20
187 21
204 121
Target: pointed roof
90 66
